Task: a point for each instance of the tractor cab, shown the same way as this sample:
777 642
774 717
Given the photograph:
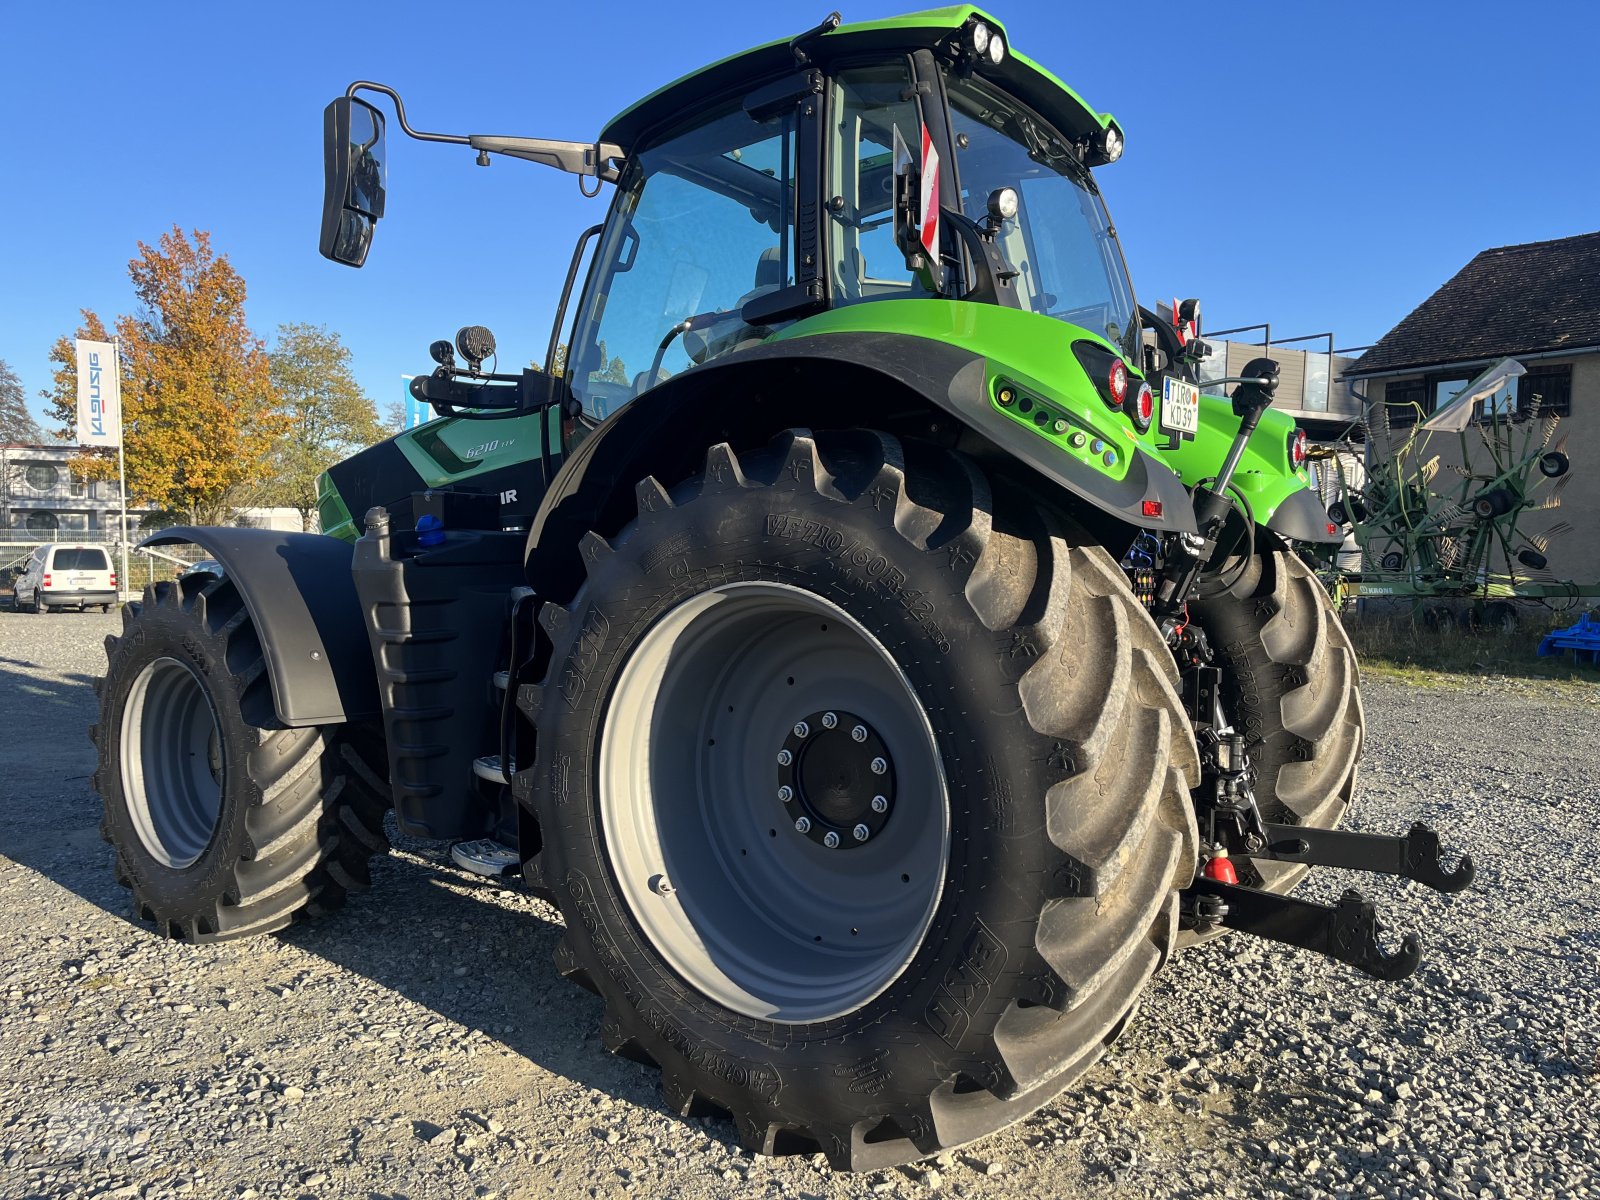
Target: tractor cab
913 171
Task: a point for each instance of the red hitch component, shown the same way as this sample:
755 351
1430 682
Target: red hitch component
1219 869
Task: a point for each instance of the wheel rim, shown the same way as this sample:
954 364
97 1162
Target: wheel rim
748 906
171 759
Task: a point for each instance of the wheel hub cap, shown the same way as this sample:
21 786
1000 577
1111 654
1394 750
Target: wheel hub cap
835 776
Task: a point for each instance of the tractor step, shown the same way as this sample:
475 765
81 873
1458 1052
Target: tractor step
1346 931
1414 856
487 768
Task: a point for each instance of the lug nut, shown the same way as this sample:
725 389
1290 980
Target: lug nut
801 729
802 825
880 804
829 720
784 758
859 733
862 833
831 840
879 766
786 793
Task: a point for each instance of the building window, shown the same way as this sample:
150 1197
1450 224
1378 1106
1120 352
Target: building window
41 477
1403 397
42 522
1553 386
79 486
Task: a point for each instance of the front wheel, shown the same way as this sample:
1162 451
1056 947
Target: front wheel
1291 684
224 822
864 794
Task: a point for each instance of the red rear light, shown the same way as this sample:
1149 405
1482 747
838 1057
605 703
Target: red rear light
113 579
1151 508
1297 448
1118 381
1141 407
47 579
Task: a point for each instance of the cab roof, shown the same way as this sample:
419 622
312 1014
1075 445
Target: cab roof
1018 74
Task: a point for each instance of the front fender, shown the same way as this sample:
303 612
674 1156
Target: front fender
301 595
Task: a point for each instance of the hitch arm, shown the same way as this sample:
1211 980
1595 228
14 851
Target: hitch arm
1346 931
1414 856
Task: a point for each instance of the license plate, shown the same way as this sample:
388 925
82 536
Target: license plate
82 581
1180 406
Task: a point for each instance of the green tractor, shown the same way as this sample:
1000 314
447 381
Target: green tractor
873 643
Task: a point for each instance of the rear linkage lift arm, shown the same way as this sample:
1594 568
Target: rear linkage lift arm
1348 930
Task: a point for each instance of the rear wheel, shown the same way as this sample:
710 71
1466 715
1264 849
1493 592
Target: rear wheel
38 603
225 823
1291 684
864 794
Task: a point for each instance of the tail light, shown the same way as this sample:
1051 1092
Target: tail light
46 579
1297 449
1117 381
1108 373
1141 407
113 579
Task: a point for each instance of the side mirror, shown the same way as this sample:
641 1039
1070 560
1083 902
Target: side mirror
353 175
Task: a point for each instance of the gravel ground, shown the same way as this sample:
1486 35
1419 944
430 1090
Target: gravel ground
420 1044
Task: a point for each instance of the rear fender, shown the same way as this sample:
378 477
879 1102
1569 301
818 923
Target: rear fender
894 382
300 593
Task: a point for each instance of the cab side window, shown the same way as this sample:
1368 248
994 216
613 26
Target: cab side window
870 106
704 224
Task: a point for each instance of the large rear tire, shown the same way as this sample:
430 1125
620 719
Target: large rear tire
225 823
1018 716
1291 683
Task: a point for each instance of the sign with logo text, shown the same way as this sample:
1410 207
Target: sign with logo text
99 395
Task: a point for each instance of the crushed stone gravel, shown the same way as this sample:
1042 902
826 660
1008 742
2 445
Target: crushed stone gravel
419 1043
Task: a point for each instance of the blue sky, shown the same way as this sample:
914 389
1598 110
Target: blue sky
1310 165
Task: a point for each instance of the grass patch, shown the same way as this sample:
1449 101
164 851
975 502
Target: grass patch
1396 647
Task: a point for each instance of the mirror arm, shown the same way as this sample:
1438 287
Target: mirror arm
400 112
575 158
598 159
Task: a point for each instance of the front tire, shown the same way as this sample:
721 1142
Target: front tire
1291 683
1019 694
225 823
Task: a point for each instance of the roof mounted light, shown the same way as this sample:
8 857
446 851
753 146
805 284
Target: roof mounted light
1111 143
997 49
980 38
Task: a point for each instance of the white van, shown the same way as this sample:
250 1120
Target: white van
61 576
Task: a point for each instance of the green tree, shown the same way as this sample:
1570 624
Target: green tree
330 417
16 422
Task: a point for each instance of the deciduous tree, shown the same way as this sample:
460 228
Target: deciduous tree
199 416
329 416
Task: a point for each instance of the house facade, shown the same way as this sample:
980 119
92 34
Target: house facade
1538 303
42 499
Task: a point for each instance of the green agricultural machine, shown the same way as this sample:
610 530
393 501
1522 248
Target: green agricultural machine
1442 534
873 643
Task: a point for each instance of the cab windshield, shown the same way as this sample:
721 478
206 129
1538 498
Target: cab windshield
1061 241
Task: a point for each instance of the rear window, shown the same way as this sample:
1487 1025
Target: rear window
80 559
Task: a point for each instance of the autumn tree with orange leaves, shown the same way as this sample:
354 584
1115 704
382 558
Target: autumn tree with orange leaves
199 416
